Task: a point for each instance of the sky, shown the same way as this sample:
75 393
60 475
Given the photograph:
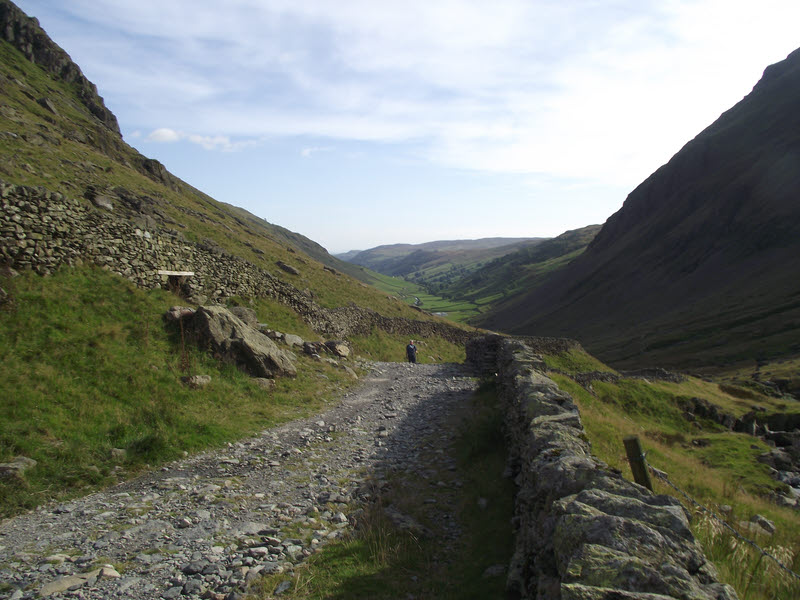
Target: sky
359 123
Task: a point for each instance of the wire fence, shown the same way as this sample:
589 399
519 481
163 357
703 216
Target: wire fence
665 478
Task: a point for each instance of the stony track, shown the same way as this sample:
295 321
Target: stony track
206 526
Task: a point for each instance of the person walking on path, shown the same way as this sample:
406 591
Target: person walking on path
411 352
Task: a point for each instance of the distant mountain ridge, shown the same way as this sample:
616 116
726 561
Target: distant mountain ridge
524 269
438 263
702 262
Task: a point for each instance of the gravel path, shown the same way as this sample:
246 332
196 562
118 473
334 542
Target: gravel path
206 526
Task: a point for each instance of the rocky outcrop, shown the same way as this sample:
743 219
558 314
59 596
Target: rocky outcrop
15 469
584 532
288 268
25 34
217 329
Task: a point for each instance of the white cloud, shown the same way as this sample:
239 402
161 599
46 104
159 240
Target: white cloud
164 135
603 91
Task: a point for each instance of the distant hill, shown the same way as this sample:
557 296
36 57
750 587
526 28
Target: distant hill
702 262
436 264
522 270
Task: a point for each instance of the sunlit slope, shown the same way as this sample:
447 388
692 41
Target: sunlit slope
51 136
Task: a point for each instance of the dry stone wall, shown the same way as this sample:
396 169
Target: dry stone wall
43 230
584 532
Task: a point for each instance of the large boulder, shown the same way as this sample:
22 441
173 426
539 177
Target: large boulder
247 315
216 328
287 268
339 348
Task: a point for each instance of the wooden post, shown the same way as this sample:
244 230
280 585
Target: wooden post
638 465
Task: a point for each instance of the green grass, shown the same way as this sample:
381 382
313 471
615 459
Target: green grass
417 295
575 361
387 347
381 562
713 465
89 366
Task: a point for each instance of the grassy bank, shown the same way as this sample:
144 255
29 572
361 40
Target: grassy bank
388 347
89 366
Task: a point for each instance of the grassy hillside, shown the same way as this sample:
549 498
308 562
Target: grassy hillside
89 366
505 278
66 149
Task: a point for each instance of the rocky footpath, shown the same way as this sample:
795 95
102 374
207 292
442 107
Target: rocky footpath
206 526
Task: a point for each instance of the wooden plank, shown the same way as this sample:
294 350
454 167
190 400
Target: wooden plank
633 448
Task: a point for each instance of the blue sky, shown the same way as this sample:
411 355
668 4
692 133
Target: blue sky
367 122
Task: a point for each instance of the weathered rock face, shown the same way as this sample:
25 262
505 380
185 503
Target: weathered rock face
339 348
216 328
584 532
247 315
25 34
16 468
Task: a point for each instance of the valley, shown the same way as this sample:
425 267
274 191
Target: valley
138 462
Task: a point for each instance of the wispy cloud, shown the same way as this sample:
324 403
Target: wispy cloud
311 151
583 89
164 135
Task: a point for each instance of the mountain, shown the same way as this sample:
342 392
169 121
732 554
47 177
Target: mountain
522 270
59 140
702 262
346 256
435 265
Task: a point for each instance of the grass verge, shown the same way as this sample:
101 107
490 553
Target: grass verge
387 347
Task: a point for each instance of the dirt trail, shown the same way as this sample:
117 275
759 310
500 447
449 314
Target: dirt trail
206 526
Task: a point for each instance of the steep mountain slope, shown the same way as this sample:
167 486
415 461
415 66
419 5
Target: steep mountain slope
702 261
56 133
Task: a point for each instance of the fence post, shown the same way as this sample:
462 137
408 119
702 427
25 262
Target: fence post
633 448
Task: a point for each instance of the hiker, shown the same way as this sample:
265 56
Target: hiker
411 352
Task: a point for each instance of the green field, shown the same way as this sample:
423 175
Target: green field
416 295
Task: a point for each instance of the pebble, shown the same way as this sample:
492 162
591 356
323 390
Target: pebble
209 524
